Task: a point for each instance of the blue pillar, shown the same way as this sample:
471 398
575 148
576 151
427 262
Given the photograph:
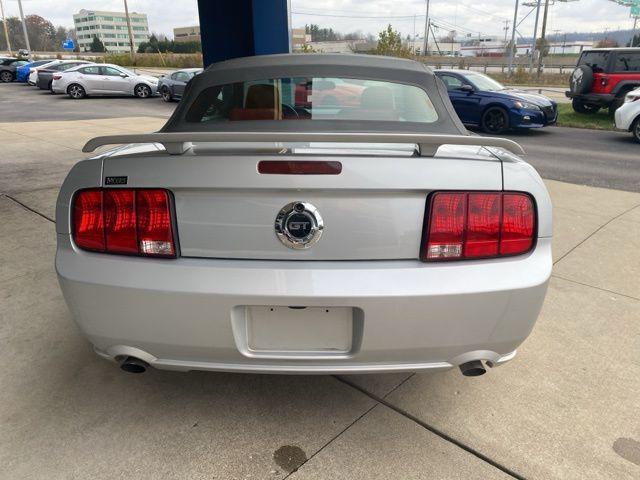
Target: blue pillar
242 28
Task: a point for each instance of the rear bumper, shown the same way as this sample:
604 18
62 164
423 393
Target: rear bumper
182 314
601 99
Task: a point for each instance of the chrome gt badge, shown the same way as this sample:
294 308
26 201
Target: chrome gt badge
299 225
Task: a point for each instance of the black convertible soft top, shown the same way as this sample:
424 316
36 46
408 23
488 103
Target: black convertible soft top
367 67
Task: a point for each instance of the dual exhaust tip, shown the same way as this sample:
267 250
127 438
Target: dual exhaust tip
473 368
135 365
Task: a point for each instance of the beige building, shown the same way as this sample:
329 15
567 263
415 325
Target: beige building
299 39
111 29
187 34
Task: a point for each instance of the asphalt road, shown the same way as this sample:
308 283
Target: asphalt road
586 157
20 102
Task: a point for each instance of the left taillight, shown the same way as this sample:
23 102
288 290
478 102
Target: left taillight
473 225
57 76
124 221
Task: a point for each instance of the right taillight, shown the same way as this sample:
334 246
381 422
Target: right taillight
124 221
470 225
57 76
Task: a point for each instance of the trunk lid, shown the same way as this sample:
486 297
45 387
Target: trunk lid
373 210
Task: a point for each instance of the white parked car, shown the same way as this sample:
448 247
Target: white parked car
103 79
264 230
33 71
628 115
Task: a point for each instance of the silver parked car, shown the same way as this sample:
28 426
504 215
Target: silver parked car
264 230
103 79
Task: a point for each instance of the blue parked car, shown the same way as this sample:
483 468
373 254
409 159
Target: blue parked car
22 73
482 102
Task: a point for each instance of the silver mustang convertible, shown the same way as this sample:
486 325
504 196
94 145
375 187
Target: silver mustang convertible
306 214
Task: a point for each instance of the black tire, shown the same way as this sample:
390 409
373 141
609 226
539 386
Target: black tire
76 91
635 130
587 108
50 87
581 80
495 120
6 76
166 94
142 91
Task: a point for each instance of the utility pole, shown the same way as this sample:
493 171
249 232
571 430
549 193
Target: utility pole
427 23
542 36
512 44
506 30
126 13
633 33
6 31
535 38
24 29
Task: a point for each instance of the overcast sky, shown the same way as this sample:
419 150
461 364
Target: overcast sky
466 16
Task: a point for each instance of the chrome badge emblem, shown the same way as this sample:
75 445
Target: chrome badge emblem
299 225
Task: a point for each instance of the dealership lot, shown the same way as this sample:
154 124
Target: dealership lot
566 407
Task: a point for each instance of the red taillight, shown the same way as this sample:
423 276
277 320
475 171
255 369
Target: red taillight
57 77
467 225
124 221
604 81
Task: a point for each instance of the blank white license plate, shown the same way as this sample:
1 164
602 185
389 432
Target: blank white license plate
304 330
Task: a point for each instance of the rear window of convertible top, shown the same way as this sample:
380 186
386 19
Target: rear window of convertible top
303 98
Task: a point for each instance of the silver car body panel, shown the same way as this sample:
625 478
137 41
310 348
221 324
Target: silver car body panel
359 300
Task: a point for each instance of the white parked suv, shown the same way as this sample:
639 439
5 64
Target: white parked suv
628 115
103 79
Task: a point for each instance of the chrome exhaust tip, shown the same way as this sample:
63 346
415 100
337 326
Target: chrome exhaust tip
473 369
134 365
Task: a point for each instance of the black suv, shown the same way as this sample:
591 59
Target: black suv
603 77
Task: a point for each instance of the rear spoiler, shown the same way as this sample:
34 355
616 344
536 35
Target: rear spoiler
177 143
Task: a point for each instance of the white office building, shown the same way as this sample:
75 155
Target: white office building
111 29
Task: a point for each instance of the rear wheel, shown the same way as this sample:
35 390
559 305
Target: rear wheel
142 91
495 120
6 77
616 104
587 108
76 91
636 130
166 94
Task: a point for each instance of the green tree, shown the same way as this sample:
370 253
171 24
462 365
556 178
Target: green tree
97 46
390 44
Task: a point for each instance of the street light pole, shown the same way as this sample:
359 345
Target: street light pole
6 31
24 28
426 31
542 36
126 13
512 45
633 33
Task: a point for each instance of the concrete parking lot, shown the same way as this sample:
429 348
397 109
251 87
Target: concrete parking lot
566 407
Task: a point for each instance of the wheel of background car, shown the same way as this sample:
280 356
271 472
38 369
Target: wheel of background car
142 91
495 120
289 112
581 79
6 77
636 129
76 91
166 94
616 104
580 107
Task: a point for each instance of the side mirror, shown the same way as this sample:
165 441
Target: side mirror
124 75
467 88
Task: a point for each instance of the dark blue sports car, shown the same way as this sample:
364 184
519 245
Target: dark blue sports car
482 102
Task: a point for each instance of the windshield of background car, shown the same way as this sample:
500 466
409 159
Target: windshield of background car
596 60
482 82
313 98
